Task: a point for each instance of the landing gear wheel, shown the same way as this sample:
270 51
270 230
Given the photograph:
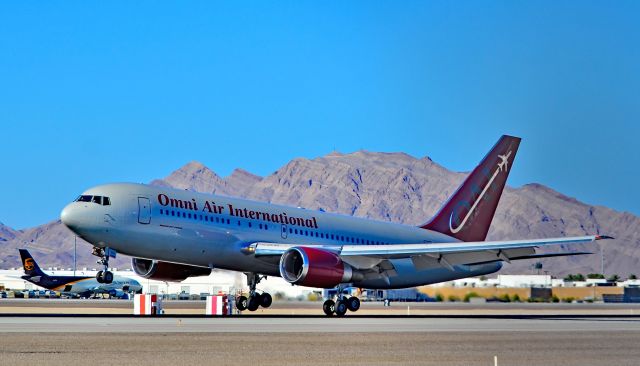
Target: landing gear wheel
341 308
256 300
104 276
329 307
265 300
241 303
107 277
353 303
254 303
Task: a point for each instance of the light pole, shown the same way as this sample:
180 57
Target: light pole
602 260
75 243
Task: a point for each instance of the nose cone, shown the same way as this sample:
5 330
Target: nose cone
70 216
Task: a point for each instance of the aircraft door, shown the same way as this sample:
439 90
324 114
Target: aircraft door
144 210
283 231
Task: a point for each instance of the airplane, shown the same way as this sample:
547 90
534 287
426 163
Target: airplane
175 234
76 286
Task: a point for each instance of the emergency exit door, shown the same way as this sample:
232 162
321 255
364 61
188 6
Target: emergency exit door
144 210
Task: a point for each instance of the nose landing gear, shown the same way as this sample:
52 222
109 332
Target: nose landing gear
255 300
104 276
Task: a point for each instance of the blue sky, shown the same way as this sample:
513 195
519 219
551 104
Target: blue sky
130 91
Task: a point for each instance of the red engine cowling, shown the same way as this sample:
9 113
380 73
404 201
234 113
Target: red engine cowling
165 271
314 267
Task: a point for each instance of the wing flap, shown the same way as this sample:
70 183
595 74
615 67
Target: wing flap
538 256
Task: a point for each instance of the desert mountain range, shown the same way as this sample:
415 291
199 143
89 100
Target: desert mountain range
383 186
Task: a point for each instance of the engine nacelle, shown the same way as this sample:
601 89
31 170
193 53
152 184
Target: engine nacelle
314 267
165 271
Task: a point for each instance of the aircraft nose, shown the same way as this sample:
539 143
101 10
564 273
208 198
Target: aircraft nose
70 216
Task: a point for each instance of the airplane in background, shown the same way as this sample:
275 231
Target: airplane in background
76 286
175 234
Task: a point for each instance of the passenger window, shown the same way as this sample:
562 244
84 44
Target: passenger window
173 213
161 212
228 221
184 214
290 231
189 215
106 201
249 224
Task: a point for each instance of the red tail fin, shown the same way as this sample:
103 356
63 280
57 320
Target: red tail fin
468 213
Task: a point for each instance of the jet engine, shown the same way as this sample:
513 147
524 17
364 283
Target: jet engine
314 267
165 271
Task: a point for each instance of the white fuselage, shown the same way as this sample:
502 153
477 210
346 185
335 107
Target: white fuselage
211 231
91 285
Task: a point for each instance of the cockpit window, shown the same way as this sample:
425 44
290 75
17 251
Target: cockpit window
101 200
84 199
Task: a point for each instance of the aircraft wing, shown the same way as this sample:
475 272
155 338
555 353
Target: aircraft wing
447 254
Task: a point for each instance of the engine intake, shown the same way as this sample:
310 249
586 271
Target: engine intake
314 267
165 271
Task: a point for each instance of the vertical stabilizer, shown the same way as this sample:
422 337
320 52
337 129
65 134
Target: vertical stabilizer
29 264
468 212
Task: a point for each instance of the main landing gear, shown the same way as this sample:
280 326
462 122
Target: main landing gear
255 300
104 276
341 305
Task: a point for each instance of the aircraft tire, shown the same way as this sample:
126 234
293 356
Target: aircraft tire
329 307
341 308
99 277
254 303
265 300
108 277
353 303
241 303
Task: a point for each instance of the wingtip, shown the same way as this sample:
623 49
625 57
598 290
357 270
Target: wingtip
604 237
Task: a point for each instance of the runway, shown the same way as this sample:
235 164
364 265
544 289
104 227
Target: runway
315 341
315 324
177 308
441 334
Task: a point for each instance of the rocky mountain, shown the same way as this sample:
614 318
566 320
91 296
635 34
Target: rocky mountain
6 233
392 187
